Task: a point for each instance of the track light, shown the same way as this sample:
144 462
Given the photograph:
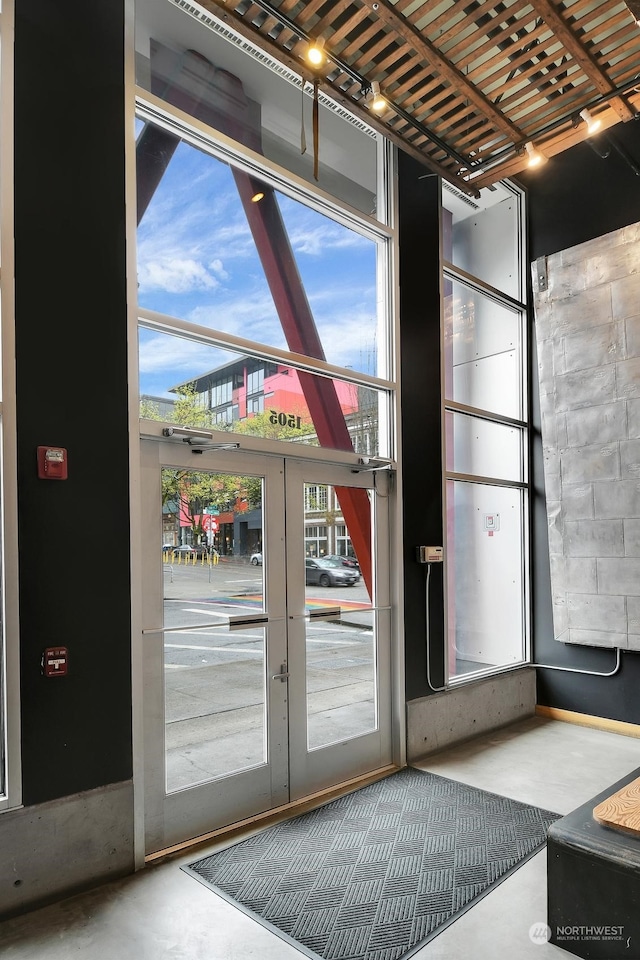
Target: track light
315 53
535 158
375 99
592 123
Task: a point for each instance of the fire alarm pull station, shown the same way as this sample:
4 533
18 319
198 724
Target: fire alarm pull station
52 463
55 661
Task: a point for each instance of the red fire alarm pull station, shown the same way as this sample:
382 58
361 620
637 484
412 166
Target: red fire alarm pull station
55 661
52 463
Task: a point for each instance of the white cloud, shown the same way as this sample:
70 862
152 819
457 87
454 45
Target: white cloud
175 275
217 267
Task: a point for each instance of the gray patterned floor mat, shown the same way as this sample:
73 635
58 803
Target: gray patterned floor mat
376 874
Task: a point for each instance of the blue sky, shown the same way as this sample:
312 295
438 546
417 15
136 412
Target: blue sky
197 261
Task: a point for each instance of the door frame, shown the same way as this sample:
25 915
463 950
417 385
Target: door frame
265 785
355 756
320 459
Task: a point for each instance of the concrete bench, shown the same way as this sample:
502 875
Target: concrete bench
593 883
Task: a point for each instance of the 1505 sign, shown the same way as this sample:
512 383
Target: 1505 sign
285 419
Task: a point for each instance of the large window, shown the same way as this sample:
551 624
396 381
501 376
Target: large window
263 295
485 423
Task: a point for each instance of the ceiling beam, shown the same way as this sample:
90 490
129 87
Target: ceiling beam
563 139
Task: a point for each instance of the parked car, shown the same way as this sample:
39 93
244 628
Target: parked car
256 559
329 573
349 562
188 550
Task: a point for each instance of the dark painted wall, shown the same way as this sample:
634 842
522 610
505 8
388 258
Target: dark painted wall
72 392
71 354
574 198
580 195
421 425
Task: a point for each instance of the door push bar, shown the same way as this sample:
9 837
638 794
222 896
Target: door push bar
283 675
329 614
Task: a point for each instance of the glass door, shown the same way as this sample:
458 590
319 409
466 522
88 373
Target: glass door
214 639
338 624
266 658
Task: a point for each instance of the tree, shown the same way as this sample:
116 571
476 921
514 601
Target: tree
191 493
267 424
189 411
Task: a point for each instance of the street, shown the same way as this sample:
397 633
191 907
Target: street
215 676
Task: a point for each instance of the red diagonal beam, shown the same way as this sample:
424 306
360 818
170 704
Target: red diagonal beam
155 149
274 249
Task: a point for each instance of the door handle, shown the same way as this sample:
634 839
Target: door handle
283 675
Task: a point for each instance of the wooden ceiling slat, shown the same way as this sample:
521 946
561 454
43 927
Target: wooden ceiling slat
628 70
479 76
417 85
558 80
520 103
495 32
268 24
487 145
443 125
533 34
584 25
371 55
436 100
624 49
580 8
446 25
253 12
324 26
360 39
286 35
443 128
448 71
351 23
544 87
534 121
511 62
580 54
451 112
307 13
397 61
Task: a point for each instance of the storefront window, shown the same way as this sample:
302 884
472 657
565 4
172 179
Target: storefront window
485 417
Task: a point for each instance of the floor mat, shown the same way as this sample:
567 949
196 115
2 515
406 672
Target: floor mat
376 874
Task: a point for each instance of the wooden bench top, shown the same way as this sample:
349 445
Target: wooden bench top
621 810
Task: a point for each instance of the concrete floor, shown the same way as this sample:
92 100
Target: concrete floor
162 914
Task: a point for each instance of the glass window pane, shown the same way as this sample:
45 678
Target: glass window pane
194 385
244 99
214 677
485 576
340 677
274 271
341 670
215 715
483 351
482 236
486 449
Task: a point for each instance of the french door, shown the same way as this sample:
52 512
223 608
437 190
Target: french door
266 660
